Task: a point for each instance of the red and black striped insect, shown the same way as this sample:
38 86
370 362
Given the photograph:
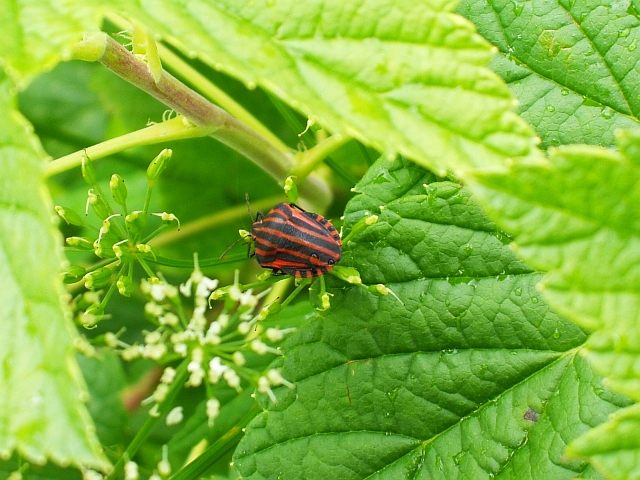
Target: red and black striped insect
295 242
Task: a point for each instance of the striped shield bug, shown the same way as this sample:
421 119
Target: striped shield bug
295 242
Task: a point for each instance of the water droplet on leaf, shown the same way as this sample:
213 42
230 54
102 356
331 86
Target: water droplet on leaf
607 113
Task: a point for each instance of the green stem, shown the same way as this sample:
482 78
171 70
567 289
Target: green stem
173 93
215 94
312 157
175 129
146 268
295 293
112 289
211 221
212 119
150 422
218 449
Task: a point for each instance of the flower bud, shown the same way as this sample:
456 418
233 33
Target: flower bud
98 278
125 286
348 274
79 242
69 216
118 189
291 189
381 289
136 222
168 217
158 164
73 274
89 171
99 205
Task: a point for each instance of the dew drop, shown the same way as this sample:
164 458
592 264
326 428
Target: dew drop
518 291
251 85
564 92
624 32
534 300
439 463
607 112
633 45
556 333
551 108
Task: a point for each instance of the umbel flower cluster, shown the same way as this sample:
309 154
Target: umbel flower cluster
213 351
204 335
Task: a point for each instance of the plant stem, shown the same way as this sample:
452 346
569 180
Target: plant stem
229 440
175 129
210 221
217 95
315 155
173 93
150 422
200 111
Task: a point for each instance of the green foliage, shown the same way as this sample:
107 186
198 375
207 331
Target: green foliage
592 260
456 357
465 374
570 64
41 385
418 74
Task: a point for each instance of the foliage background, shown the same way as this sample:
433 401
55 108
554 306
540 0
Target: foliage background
475 371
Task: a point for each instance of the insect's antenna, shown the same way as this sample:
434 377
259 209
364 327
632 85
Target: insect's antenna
230 247
246 197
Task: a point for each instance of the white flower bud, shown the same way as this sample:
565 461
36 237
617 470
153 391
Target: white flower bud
130 471
175 416
238 358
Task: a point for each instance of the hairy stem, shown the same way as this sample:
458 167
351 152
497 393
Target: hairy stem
200 111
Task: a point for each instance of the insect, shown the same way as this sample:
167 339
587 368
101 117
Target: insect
293 241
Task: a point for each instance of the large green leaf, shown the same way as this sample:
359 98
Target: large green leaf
571 64
36 35
471 376
403 76
576 217
41 411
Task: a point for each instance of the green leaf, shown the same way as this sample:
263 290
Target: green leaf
467 375
571 64
391 73
37 365
613 446
37 35
576 217
106 381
